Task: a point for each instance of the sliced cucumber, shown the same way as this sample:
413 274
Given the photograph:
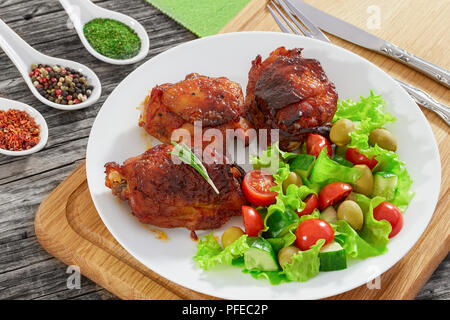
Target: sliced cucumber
302 165
341 160
384 185
329 215
332 257
260 255
280 223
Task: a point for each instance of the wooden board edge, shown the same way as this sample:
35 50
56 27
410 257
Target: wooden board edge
64 252
253 9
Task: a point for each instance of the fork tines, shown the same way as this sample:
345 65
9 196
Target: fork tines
293 21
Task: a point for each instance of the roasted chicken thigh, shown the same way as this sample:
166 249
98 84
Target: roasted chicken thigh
289 93
198 100
167 194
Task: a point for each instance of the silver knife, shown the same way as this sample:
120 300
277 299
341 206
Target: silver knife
364 39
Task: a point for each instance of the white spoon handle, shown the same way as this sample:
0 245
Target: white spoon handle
74 10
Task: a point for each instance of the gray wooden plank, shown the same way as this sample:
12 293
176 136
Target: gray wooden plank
438 286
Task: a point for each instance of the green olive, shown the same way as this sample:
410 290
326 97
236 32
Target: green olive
340 132
364 184
285 255
383 138
231 235
292 178
352 213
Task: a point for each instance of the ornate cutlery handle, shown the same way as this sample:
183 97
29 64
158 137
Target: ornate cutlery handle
426 101
432 70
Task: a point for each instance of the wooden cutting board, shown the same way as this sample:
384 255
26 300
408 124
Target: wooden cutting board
68 226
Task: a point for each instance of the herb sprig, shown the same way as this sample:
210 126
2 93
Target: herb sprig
187 156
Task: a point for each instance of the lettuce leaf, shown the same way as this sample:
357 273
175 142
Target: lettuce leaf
305 264
373 232
353 244
389 161
372 240
274 277
368 113
326 171
210 253
281 217
272 159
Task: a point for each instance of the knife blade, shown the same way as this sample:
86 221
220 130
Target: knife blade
364 39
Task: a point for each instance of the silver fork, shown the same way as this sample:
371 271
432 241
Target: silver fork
301 25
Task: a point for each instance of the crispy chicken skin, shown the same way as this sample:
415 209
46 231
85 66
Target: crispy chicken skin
216 102
169 195
289 93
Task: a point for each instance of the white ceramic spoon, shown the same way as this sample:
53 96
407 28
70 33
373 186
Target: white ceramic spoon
6 104
23 56
83 11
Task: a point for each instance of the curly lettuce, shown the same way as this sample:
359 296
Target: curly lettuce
210 252
281 219
389 161
326 171
305 264
272 159
372 239
369 114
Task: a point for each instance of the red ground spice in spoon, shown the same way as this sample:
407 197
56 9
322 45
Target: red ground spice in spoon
18 130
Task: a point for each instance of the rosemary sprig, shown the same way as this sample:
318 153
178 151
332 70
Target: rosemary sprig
187 156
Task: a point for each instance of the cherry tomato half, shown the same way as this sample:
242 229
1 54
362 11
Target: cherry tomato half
256 187
315 143
253 222
312 202
355 157
388 211
311 230
333 193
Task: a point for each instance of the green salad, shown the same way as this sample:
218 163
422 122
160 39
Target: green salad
321 205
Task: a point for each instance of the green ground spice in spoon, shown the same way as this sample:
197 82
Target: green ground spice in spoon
112 38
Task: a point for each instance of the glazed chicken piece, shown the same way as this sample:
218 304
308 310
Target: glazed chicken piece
290 93
169 195
216 102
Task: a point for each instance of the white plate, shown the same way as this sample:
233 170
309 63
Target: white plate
115 136
6 104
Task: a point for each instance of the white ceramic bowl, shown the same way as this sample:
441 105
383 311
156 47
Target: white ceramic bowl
115 136
6 104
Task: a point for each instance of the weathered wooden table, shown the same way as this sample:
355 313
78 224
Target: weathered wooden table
27 271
